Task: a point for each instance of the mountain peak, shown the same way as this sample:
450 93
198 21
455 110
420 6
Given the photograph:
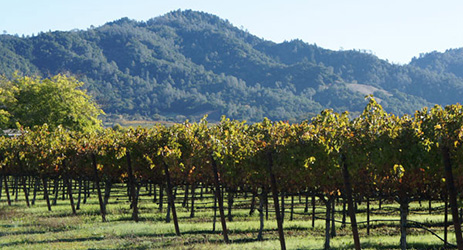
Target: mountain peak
190 18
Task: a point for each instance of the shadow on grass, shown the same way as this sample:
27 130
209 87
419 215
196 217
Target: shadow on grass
201 237
388 246
29 242
3 234
30 232
188 241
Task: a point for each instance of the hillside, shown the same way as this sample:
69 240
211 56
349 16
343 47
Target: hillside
186 64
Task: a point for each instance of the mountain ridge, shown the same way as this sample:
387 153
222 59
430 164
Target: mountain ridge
186 64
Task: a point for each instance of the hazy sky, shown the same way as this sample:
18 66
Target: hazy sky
396 30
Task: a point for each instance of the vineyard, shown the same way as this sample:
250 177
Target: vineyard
287 170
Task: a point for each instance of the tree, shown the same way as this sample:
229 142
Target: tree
58 100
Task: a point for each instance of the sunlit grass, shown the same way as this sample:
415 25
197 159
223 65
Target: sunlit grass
37 228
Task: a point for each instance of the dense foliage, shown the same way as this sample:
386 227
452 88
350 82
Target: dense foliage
396 158
57 101
186 64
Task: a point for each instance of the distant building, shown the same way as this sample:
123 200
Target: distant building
11 132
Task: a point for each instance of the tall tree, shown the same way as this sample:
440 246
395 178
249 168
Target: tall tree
59 100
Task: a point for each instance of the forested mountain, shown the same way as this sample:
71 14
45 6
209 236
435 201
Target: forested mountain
186 64
450 61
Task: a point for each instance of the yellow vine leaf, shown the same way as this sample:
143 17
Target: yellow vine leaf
399 170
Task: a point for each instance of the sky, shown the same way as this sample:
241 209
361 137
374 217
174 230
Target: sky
396 30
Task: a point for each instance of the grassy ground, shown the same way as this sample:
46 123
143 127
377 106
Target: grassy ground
36 228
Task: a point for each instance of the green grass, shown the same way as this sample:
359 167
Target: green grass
36 228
